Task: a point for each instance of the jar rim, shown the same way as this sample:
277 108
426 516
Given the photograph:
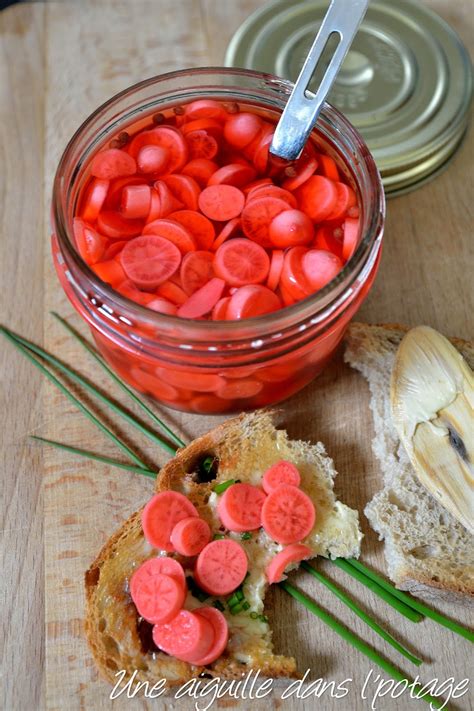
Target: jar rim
314 303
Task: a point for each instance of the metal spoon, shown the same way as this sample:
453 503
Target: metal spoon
302 110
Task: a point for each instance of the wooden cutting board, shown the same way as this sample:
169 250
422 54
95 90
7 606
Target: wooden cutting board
58 61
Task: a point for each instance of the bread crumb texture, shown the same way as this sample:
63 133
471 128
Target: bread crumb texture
427 550
245 447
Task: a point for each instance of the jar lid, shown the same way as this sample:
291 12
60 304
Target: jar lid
406 82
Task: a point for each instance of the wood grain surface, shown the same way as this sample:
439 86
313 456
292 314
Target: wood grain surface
58 61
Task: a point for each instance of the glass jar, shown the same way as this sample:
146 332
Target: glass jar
216 366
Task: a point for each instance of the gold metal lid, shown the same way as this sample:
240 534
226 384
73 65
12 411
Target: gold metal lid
406 83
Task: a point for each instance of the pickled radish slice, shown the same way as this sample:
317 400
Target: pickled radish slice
203 300
240 506
172 231
241 262
293 278
294 553
136 201
196 270
152 159
326 239
351 235
219 312
192 380
201 229
155 206
163 306
185 189
276 266
221 202
272 191
112 163
320 267
221 567
239 389
162 565
200 169
257 217
303 172
226 232
291 228
211 126
110 271
317 197
94 199
221 635
346 198
158 598
204 108
190 535
149 260
328 167
90 244
202 145
282 472
160 516
241 129
166 137
252 300
187 636
114 249
233 174
113 225
172 292
260 183
288 514
168 202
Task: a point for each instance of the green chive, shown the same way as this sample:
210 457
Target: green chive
245 605
415 604
218 536
233 600
195 590
235 609
138 401
96 457
220 488
352 639
383 593
26 352
218 605
254 615
360 613
91 388
263 618
246 536
208 468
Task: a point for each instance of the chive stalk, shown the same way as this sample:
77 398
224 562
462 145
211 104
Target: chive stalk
85 410
96 457
220 488
420 607
360 613
382 592
138 401
356 642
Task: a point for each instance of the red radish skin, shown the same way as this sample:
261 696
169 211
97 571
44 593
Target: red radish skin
241 129
196 270
173 232
291 228
240 506
294 553
160 516
288 514
251 301
201 229
282 472
221 635
203 300
320 267
149 260
112 163
221 567
152 159
257 217
317 197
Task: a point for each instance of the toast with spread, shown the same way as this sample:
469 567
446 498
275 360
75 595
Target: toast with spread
219 502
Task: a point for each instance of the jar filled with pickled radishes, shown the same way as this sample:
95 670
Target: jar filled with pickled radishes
214 277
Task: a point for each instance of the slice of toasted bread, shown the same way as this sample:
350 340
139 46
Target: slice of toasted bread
427 550
245 447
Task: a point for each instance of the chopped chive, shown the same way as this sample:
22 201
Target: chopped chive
91 388
415 604
208 468
26 352
246 536
218 605
382 592
254 615
233 600
235 609
218 536
352 639
245 605
138 401
94 456
220 488
263 618
360 613
195 590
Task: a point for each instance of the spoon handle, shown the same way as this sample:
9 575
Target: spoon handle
302 110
